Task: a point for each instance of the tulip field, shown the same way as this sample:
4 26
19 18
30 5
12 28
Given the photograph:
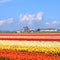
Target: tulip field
42 46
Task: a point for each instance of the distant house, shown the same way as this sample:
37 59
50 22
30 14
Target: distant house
18 31
26 29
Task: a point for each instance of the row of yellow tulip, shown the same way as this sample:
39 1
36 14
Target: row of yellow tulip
31 48
39 46
30 37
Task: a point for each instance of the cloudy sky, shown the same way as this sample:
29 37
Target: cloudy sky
16 14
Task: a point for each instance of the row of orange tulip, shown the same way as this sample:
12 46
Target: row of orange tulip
17 55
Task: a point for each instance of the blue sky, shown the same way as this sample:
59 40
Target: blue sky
16 14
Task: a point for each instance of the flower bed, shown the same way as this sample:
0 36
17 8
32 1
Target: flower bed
29 46
17 55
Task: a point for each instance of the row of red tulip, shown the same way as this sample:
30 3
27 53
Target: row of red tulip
18 55
30 34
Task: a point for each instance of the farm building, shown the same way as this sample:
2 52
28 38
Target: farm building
48 30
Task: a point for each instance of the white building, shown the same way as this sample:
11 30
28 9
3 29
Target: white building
48 30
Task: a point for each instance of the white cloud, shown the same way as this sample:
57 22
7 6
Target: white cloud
53 23
1 22
9 21
31 17
3 1
39 16
27 17
47 23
